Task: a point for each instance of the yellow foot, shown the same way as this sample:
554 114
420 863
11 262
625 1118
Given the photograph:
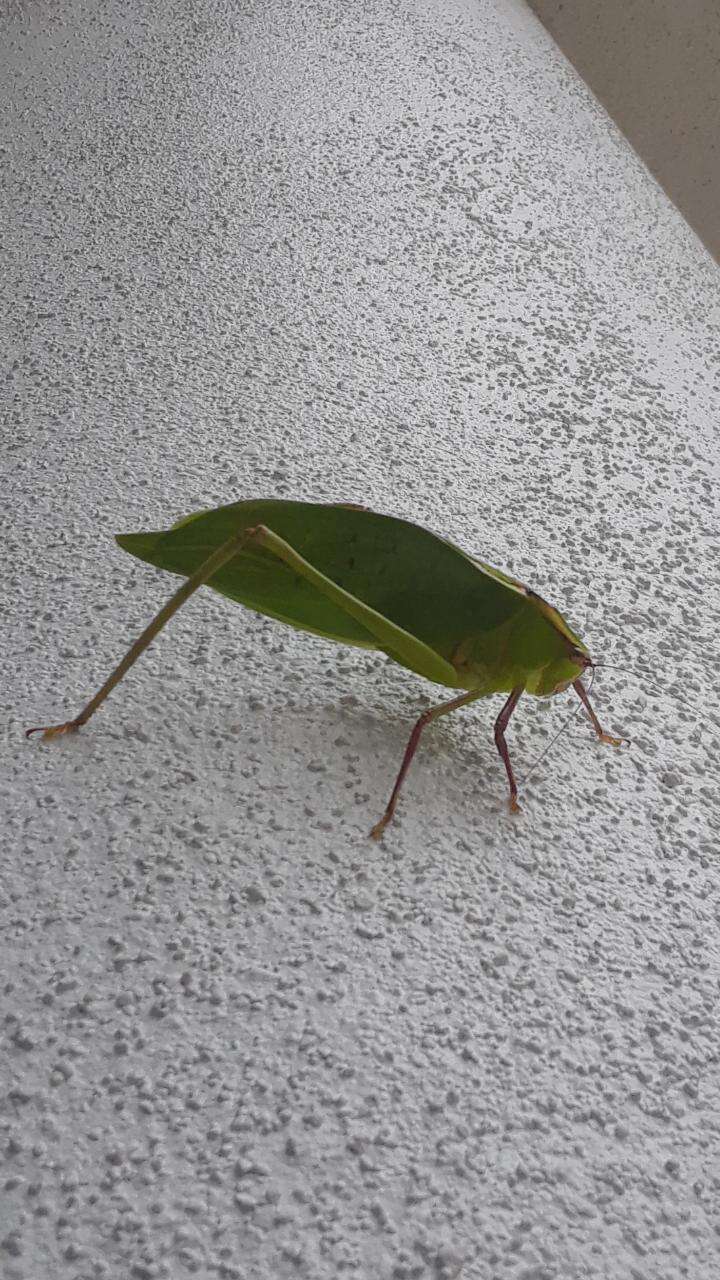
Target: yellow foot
612 742
54 730
513 805
379 829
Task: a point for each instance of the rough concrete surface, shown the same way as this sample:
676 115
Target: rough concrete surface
389 252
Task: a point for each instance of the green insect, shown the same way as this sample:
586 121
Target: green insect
374 581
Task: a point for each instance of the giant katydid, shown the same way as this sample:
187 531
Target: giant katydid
378 582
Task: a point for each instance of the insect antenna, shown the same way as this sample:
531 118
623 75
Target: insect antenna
637 672
563 727
619 666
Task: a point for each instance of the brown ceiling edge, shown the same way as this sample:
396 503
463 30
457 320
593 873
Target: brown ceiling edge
655 67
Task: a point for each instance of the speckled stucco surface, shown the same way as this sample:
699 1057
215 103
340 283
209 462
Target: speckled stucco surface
388 252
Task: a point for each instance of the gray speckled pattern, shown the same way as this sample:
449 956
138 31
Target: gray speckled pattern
387 252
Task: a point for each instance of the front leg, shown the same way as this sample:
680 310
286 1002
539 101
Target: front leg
581 692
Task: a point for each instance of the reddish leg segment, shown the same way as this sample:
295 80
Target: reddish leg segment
501 725
581 692
432 714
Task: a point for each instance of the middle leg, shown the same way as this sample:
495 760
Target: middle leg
433 713
501 725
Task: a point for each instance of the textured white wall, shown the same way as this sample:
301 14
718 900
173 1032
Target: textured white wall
391 253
